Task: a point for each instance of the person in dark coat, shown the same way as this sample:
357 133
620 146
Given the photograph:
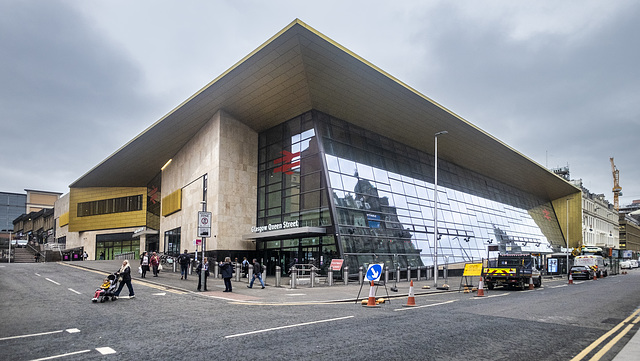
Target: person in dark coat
226 270
184 260
125 273
203 266
257 273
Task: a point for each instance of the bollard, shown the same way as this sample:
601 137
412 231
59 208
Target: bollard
190 268
345 277
174 266
293 277
312 275
330 276
216 270
408 273
250 273
238 271
264 274
386 274
418 273
360 275
398 274
278 275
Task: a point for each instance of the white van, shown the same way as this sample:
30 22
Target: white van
597 263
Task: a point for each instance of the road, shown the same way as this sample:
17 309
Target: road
47 312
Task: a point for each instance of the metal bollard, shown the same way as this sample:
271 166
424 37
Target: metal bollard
386 274
238 271
418 274
293 277
312 275
398 274
330 276
190 268
360 275
278 275
408 273
250 273
345 277
216 270
174 266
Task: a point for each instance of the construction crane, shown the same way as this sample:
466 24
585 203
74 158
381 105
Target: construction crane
617 190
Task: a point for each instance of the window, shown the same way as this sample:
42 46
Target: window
109 206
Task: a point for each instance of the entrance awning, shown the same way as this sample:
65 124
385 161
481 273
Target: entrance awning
286 233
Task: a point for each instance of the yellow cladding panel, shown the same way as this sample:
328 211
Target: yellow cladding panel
105 221
574 202
172 203
63 220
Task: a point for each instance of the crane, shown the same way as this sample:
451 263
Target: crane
617 190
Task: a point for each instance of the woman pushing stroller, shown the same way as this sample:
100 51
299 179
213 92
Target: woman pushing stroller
125 273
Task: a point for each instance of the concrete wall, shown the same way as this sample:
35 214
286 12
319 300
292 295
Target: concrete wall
226 151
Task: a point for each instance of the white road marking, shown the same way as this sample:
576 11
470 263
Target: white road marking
431 305
500 295
38 274
63 355
289 326
106 350
70 330
74 291
160 294
297 294
559 286
52 281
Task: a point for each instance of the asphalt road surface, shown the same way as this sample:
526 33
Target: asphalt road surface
47 312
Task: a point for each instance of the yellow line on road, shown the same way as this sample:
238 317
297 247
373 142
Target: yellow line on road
610 344
601 339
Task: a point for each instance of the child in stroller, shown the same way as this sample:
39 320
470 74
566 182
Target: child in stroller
107 289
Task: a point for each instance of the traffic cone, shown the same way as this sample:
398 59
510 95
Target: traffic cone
411 301
480 289
570 279
530 283
595 276
371 302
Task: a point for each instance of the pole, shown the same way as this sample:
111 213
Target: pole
567 239
10 246
204 239
435 199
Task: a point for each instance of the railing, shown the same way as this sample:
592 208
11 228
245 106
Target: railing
125 255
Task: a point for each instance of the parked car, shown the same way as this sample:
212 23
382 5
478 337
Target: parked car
634 263
581 272
625 264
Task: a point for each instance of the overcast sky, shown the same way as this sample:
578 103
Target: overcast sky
559 81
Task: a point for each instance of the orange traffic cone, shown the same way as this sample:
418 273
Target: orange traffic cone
530 283
411 301
371 302
480 289
570 279
595 276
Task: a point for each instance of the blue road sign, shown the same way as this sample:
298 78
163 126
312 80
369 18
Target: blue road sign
374 272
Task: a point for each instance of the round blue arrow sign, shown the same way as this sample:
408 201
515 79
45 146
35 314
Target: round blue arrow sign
374 272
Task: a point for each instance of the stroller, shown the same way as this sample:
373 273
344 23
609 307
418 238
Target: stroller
107 289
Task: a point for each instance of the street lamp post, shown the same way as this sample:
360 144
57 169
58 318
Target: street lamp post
435 200
567 238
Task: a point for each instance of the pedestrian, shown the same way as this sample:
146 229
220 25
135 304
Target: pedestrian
184 260
155 263
144 264
257 273
204 268
85 256
226 270
101 256
124 273
293 263
245 267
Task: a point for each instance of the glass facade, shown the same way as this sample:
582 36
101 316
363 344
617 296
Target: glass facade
382 200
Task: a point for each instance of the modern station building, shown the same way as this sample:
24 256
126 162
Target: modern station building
305 150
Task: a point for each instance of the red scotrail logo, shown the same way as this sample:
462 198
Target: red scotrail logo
546 214
287 162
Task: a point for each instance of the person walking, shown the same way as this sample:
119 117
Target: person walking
155 263
245 267
184 260
257 273
125 273
226 270
204 268
144 264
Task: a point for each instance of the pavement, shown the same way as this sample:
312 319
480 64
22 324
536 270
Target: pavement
302 294
320 293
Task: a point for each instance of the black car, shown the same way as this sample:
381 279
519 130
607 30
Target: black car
581 272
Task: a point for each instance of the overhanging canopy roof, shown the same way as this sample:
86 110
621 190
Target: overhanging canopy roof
300 69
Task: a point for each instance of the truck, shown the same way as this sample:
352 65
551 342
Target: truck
597 263
513 270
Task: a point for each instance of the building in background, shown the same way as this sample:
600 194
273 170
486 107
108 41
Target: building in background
305 150
12 205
